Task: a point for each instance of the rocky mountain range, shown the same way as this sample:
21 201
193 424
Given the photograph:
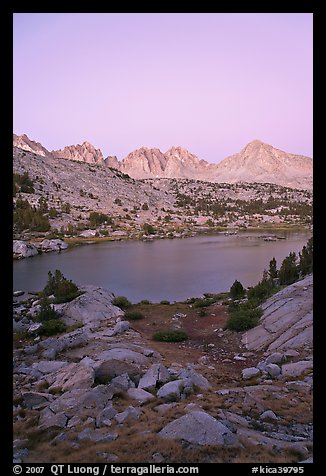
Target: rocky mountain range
256 162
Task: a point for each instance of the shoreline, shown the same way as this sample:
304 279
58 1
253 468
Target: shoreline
190 233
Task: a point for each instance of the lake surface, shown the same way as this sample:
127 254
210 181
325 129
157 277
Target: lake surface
163 269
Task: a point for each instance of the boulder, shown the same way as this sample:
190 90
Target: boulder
296 369
105 416
98 435
130 413
93 306
88 233
250 372
195 379
34 399
120 360
22 249
268 415
275 358
171 391
49 366
120 327
140 395
73 339
73 376
287 320
273 370
156 375
198 428
123 382
48 419
86 402
111 368
34 327
53 245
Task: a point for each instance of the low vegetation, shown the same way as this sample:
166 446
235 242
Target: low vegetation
122 302
134 315
63 289
245 314
170 336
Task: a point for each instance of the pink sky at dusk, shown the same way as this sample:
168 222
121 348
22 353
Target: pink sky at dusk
208 82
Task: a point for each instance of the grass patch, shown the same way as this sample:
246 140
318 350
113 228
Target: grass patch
170 336
134 315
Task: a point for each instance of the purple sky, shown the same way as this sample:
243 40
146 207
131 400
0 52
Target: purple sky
208 82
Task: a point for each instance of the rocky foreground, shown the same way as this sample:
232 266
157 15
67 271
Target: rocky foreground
106 392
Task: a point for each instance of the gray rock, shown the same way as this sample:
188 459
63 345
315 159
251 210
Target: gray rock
140 395
88 233
296 369
105 416
123 382
74 421
94 306
158 458
98 435
34 399
117 361
48 419
22 249
171 391
83 403
155 375
73 376
120 327
49 354
273 370
130 413
47 367
250 372
289 354
73 339
275 358
268 415
35 327
195 379
53 245
308 460
287 320
198 428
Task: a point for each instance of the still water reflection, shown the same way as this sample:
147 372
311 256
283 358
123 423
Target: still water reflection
162 269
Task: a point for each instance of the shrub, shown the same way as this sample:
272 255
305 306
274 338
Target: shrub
122 302
170 336
27 217
148 229
243 318
52 327
63 289
145 301
237 291
134 315
96 219
46 313
165 302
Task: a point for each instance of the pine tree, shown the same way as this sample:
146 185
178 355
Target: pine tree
237 290
273 273
289 272
306 259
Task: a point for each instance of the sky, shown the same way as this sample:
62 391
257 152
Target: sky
210 83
